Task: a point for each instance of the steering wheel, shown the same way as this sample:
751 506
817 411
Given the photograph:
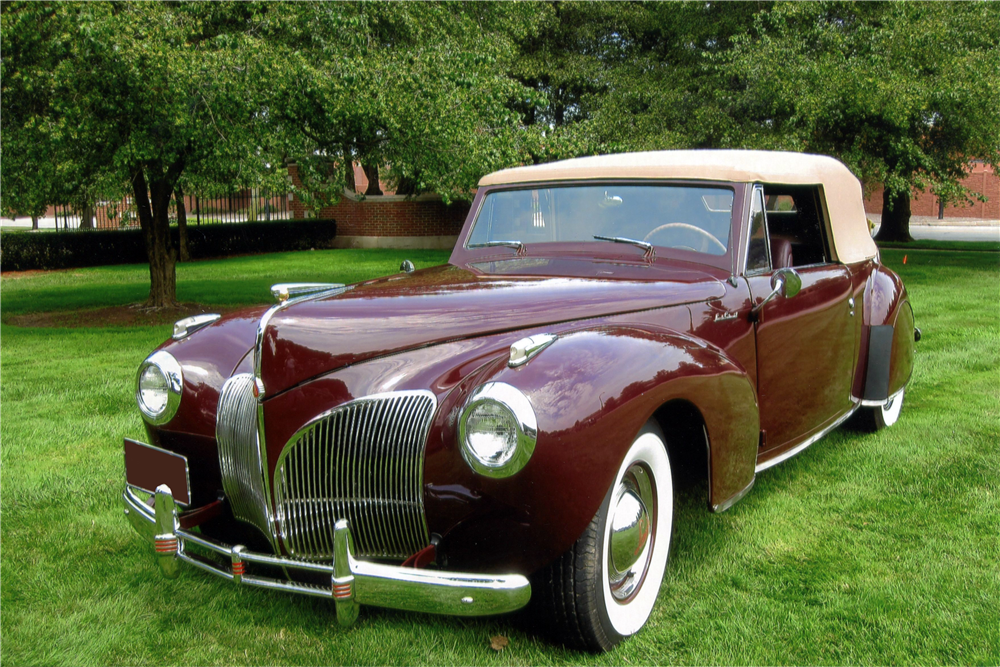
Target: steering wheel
683 225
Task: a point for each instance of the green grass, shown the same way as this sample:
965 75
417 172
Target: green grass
225 282
868 549
930 244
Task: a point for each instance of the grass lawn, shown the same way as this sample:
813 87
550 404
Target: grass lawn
867 549
931 244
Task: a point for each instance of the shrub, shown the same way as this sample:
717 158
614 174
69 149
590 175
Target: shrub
21 251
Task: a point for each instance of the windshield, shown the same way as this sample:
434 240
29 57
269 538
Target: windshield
671 216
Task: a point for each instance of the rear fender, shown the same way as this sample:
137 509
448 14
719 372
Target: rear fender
888 337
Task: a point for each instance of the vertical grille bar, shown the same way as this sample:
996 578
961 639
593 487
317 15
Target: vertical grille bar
239 453
362 461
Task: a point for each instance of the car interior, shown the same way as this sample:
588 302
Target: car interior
796 226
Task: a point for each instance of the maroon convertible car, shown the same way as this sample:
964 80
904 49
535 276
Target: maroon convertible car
464 438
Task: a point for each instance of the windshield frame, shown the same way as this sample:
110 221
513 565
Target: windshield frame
606 250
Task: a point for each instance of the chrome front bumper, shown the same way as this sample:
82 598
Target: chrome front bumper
352 582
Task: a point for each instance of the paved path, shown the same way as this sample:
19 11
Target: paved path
953 233
949 229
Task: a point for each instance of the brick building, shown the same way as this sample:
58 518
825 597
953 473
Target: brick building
389 220
982 179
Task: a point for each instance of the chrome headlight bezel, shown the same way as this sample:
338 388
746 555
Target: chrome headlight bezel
170 369
517 404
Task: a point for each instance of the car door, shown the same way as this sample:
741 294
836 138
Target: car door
806 344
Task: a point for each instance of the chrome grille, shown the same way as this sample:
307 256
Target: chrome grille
240 453
362 461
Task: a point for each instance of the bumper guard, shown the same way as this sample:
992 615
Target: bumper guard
352 582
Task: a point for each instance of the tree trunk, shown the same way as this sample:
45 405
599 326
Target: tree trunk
152 205
87 217
349 171
895 217
407 186
34 222
184 254
371 173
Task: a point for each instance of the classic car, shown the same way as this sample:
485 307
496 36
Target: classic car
465 438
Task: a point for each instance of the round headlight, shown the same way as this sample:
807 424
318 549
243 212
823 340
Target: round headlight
497 430
158 386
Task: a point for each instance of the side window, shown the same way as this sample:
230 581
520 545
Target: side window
757 258
796 225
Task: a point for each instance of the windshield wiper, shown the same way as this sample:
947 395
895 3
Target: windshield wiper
516 245
649 253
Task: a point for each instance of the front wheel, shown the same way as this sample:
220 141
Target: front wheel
603 589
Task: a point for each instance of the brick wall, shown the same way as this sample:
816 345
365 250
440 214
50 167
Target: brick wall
981 179
389 215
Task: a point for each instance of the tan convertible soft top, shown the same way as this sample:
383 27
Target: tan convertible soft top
851 238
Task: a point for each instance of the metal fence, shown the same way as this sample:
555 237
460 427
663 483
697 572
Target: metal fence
243 206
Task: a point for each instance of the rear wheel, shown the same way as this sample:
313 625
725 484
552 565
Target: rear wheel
879 417
603 589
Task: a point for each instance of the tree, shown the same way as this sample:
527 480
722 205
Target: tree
138 93
419 89
904 93
627 76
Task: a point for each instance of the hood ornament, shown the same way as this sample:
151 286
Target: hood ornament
187 326
525 349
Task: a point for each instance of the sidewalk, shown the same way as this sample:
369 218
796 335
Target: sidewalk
934 221
43 222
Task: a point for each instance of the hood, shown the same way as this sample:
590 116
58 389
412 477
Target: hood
389 315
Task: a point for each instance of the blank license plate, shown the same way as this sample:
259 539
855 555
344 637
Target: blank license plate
146 467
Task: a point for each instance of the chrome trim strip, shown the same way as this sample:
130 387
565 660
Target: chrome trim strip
282 291
271 312
880 404
805 443
723 506
741 259
352 582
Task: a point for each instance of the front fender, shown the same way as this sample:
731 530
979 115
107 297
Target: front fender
592 390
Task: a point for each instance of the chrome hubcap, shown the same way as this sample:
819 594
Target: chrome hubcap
631 524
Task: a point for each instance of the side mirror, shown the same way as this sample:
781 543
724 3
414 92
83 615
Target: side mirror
786 282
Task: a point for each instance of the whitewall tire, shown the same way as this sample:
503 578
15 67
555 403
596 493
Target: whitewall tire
878 417
604 588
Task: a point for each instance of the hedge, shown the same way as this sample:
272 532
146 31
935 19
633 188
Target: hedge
21 251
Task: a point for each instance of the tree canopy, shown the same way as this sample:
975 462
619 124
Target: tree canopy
630 76
904 93
147 95
133 96
105 97
418 87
